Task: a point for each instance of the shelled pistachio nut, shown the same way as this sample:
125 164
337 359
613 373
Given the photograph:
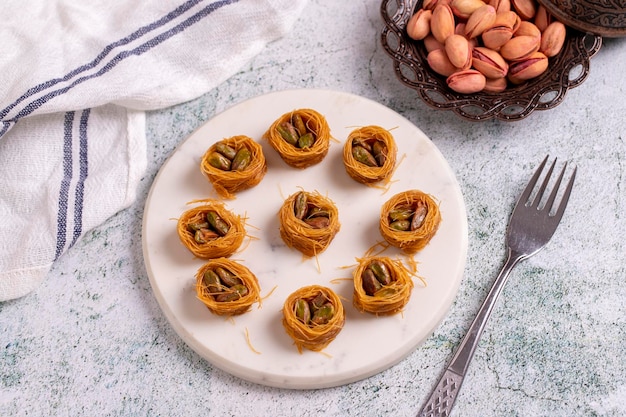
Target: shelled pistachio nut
212 281
314 311
227 158
217 223
241 160
288 132
370 284
323 314
364 156
303 311
223 285
219 161
226 150
232 294
227 277
300 206
296 133
381 272
313 216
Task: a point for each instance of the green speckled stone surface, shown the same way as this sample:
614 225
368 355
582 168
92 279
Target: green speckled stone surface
91 340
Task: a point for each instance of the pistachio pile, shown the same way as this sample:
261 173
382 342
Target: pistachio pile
374 277
484 46
296 133
226 158
314 216
314 311
223 285
407 218
370 152
211 226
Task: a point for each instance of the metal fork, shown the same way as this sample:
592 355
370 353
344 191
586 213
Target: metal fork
531 226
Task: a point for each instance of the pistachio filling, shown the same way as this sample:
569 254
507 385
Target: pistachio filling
314 216
227 158
314 311
223 285
375 279
210 226
408 218
370 152
296 132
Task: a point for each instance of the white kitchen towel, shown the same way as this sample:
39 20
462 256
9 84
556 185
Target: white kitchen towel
77 77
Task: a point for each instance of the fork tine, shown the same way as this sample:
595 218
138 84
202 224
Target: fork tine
543 186
555 189
531 184
565 198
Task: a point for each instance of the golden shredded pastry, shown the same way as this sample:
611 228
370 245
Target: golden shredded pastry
361 172
235 300
297 234
391 297
217 246
249 342
301 157
410 241
228 182
312 336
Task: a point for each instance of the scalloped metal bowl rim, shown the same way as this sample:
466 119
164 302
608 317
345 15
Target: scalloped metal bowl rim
511 105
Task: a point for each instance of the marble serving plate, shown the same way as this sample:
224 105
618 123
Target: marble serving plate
254 346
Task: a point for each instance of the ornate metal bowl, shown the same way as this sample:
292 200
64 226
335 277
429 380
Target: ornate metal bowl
566 70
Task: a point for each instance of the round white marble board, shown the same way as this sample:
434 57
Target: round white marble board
254 346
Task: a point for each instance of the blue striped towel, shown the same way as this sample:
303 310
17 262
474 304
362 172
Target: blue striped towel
76 80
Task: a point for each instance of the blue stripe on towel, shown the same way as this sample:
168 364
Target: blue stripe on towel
146 46
82 171
124 41
6 126
65 183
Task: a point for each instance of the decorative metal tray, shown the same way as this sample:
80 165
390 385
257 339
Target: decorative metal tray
566 70
606 17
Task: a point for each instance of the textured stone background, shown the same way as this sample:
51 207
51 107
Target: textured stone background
93 341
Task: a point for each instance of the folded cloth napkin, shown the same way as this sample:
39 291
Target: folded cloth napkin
76 79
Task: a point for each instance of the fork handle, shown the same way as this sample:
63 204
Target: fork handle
443 396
